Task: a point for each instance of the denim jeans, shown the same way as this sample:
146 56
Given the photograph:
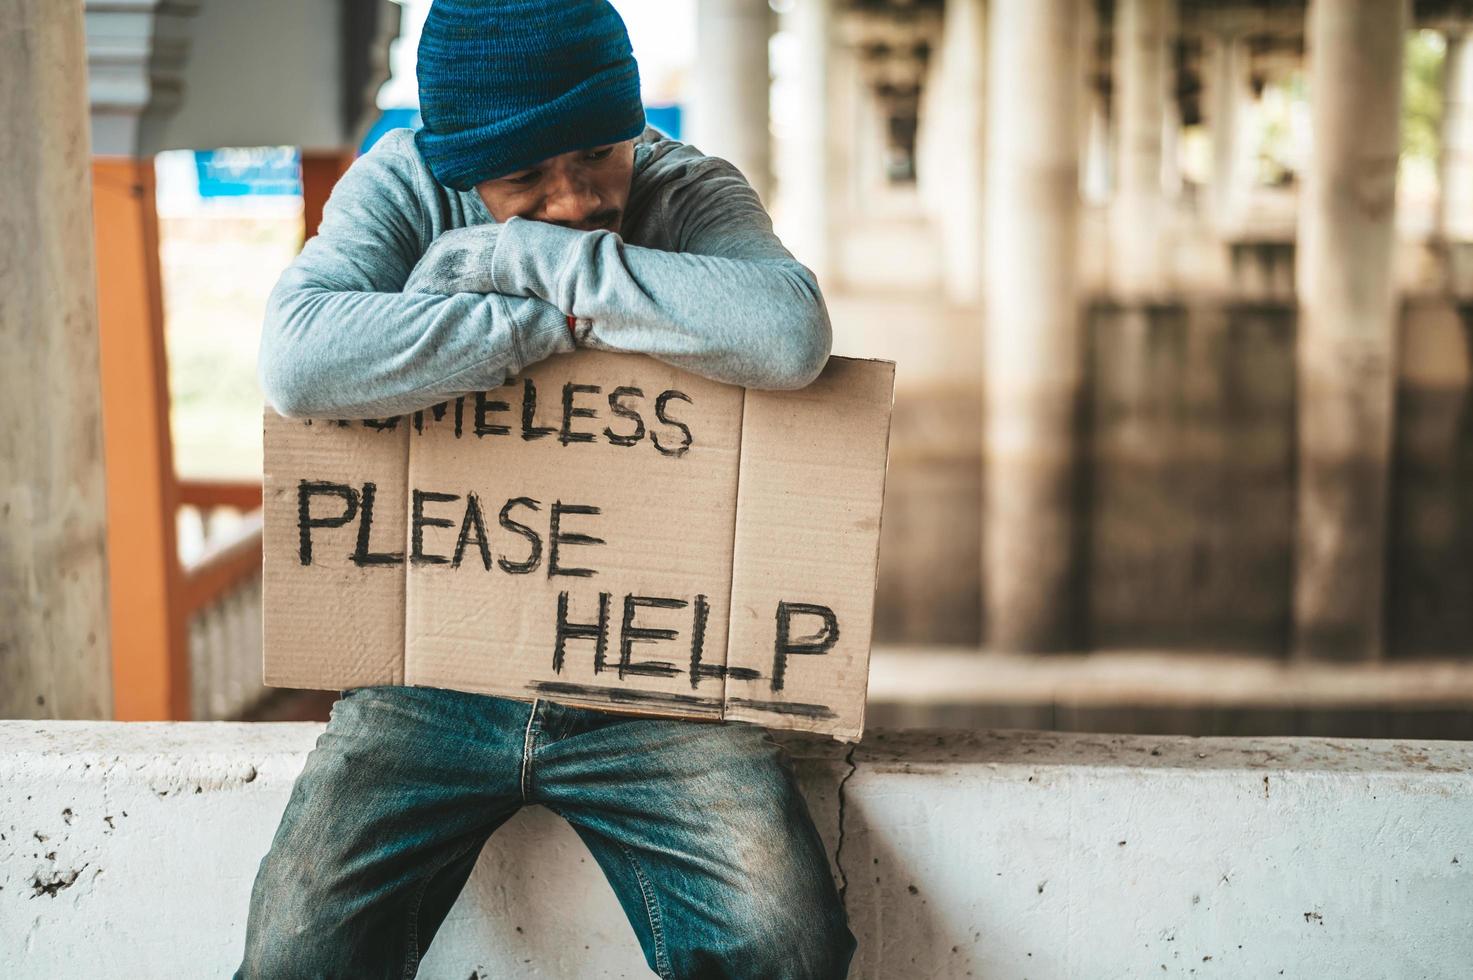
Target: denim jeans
699 827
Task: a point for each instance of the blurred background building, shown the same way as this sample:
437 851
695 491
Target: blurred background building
1180 294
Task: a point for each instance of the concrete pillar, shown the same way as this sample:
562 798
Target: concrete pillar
1171 176
1455 218
1093 114
933 169
1032 349
731 83
808 174
1171 126
1229 119
54 660
137 58
871 155
1138 210
1347 326
845 90
1095 182
962 148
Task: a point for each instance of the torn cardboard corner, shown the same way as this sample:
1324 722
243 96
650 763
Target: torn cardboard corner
605 530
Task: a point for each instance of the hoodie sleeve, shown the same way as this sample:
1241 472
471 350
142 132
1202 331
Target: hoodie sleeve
340 339
729 303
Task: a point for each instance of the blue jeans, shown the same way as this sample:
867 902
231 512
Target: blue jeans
699 827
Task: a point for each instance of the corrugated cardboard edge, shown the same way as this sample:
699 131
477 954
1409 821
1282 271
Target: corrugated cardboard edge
856 735
264 409
848 736
736 500
403 670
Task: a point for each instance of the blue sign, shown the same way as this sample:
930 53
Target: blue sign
390 119
665 118
242 171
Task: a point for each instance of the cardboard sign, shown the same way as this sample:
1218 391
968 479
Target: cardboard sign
605 531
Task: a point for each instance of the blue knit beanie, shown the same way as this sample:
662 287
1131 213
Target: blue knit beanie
504 84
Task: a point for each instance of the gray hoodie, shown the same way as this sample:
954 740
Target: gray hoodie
412 293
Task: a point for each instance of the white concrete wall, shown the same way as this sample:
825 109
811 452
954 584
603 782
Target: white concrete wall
128 850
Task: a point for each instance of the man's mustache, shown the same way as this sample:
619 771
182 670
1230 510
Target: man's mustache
603 219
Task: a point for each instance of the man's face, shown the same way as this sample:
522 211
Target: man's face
585 189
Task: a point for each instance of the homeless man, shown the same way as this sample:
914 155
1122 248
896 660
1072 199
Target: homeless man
534 213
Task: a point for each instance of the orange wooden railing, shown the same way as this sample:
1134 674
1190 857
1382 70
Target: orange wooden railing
238 495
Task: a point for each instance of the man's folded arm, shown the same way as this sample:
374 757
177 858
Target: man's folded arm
731 304
333 353
341 341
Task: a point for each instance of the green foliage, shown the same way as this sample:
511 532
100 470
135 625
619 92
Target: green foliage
1276 159
1421 113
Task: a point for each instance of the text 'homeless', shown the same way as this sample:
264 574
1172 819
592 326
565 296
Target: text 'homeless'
483 415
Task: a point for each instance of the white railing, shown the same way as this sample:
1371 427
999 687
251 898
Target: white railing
225 643
220 552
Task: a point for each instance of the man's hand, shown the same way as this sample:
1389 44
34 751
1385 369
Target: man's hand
459 261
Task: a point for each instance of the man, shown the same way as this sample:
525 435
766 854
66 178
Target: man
535 212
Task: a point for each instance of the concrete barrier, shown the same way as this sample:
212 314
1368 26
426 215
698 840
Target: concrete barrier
128 850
